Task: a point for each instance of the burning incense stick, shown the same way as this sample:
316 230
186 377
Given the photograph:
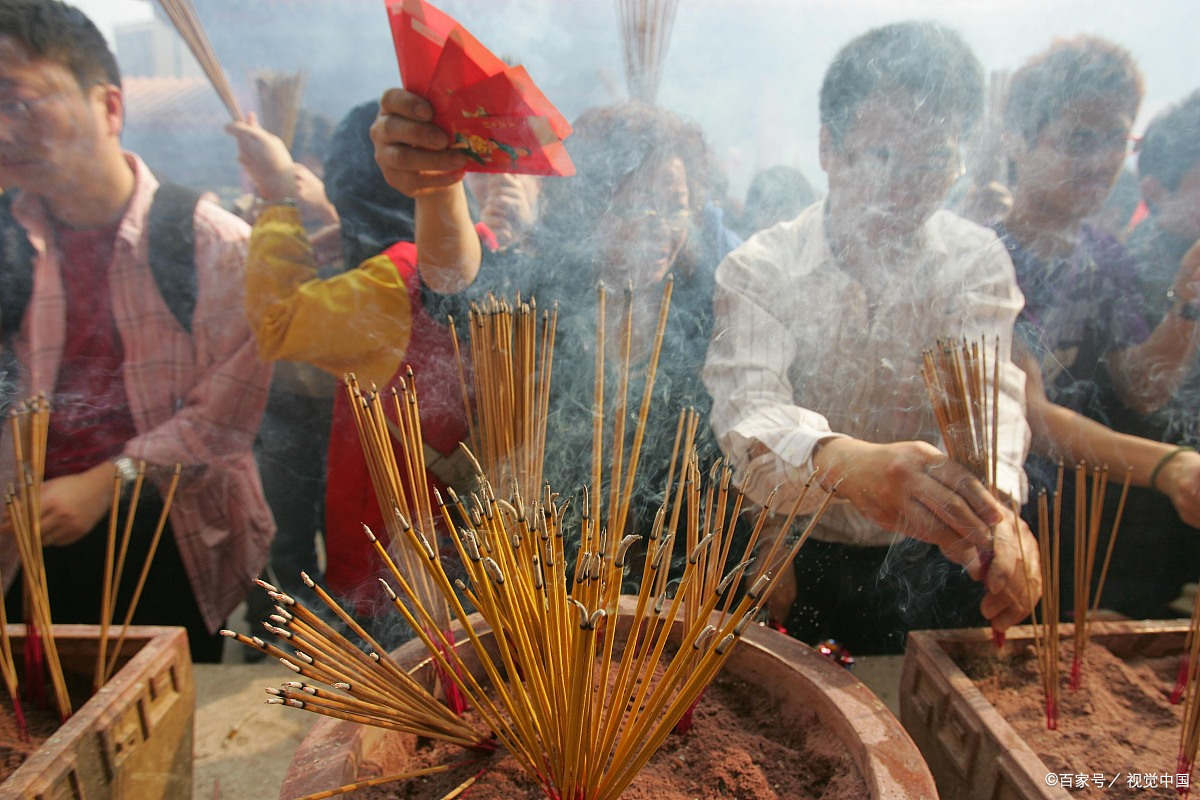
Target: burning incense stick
1088 518
958 380
579 702
1189 735
106 621
402 490
511 356
30 427
185 20
645 29
9 667
404 776
1186 668
279 96
965 396
1045 635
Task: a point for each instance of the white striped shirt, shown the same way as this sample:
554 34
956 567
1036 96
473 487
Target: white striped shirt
803 351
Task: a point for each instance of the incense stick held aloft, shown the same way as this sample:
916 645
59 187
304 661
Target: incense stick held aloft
185 20
279 96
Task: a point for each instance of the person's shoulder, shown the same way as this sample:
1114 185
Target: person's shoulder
783 243
961 234
214 222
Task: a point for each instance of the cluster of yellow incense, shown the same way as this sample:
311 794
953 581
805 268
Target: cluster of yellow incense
965 402
1089 504
580 685
30 426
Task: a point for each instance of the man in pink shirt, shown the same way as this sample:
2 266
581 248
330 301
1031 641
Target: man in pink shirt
129 377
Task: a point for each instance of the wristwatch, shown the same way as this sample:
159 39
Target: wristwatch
1187 310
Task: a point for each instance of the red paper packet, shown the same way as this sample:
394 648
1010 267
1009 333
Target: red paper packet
492 111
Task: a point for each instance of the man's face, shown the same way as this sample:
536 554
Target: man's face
892 169
50 128
648 225
1178 211
1068 170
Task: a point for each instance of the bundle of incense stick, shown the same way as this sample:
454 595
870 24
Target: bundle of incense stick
1089 503
1045 635
114 565
279 96
965 402
645 29
1088 513
30 425
579 704
1186 669
511 360
185 20
1189 736
402 491
965 396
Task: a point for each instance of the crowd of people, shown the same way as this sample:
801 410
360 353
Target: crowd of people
167 330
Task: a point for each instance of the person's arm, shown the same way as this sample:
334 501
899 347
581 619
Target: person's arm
358 321
988 305
1146 374
269 165
1061 433
416 159
72 505
775 444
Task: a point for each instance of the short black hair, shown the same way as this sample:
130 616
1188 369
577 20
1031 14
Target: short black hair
1079 69
374 216
1170 147
55 31
927 61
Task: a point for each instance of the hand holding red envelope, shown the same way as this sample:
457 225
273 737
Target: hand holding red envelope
492 112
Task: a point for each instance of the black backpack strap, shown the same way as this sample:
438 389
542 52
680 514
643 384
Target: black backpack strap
16 288
16 270
172 252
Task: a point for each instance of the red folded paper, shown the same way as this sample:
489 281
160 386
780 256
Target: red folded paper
492 111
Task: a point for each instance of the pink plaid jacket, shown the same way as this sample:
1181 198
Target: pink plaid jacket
195 399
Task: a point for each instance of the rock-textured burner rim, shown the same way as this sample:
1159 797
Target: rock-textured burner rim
336 753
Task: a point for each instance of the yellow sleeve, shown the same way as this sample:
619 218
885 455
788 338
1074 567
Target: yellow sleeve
359 321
